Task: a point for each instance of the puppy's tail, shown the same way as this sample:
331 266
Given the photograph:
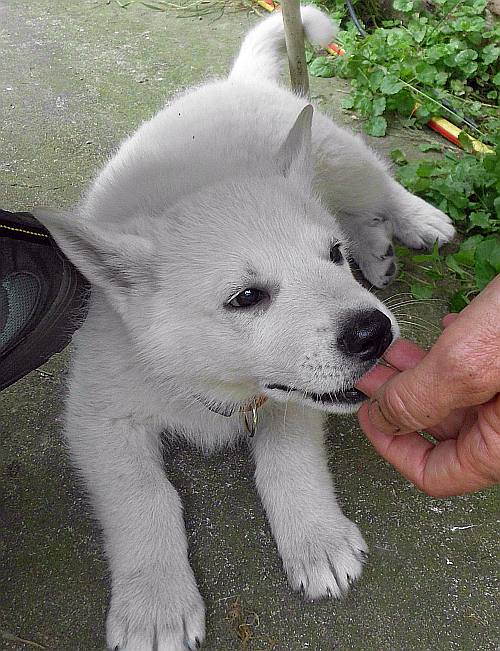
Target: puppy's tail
263 51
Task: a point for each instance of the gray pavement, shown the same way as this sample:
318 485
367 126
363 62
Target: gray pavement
75 78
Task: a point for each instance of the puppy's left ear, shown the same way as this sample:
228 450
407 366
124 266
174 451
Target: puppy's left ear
295 152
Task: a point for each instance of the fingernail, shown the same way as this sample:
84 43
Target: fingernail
378 418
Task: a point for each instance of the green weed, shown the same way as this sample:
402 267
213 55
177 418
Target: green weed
467 188
438 57
443 59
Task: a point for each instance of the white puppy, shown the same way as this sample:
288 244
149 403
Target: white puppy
216 241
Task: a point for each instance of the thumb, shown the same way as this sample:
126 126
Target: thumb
462 369
411 401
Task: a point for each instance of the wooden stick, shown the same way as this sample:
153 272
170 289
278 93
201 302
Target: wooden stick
294 38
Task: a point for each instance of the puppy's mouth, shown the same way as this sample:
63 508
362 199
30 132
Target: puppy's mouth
346 398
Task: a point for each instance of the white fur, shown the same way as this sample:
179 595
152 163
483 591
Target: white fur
262 52
215 194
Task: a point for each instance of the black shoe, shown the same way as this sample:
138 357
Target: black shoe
43 297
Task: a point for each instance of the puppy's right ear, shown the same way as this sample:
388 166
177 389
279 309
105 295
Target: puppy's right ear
117 262
295 152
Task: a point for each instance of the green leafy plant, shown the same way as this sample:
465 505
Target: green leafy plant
427 60
432 59
467 188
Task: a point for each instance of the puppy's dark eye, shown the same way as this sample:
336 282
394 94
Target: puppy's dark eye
336 253
248 298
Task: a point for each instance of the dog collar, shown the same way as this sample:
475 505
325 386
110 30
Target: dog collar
248 411
252 407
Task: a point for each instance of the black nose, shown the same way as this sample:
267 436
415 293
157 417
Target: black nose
365 334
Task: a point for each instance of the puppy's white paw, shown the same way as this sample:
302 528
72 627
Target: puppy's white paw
324 563
152 610
379 268
423 225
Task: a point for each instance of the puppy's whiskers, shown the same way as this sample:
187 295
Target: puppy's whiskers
417 321
415 301
411 326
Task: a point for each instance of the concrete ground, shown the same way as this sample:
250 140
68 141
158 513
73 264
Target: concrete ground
75 78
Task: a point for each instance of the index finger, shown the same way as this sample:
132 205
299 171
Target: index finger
407 453
451 467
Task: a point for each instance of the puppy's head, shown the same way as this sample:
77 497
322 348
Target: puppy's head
241 289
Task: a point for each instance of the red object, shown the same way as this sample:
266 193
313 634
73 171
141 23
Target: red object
435 126
333 48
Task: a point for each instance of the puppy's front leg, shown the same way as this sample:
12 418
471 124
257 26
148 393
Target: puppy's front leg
155 603
322 550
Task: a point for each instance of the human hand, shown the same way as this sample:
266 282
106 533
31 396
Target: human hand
451 392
